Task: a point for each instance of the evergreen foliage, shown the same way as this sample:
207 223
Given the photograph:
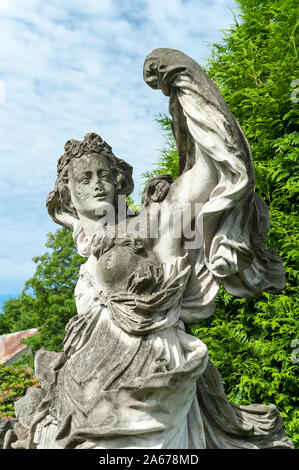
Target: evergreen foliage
168 160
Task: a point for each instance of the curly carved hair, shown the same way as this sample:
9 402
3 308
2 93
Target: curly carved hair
59 201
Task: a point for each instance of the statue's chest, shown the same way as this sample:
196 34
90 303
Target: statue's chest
120 264
115 267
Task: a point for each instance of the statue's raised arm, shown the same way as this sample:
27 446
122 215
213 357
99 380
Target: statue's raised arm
211 142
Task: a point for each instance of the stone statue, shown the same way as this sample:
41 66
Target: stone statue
132 375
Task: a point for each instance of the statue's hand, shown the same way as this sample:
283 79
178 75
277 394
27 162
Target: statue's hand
150 72
156 189
160 191
161 66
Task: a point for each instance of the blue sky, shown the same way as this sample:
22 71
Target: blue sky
69 67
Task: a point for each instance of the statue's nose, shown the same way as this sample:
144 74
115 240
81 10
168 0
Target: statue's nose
99 185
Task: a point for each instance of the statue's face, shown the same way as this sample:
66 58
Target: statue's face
92 185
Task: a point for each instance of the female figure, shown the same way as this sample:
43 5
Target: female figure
131 374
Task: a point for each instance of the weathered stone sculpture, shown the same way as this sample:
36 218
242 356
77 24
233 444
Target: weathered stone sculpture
131 374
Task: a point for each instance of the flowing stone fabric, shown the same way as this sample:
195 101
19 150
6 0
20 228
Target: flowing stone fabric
131 374
113 388
235 219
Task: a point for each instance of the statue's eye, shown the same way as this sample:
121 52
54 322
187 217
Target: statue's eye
106 176
84 180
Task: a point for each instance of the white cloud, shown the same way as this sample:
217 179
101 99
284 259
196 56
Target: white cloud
74 66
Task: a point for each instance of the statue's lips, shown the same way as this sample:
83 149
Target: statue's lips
100 196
